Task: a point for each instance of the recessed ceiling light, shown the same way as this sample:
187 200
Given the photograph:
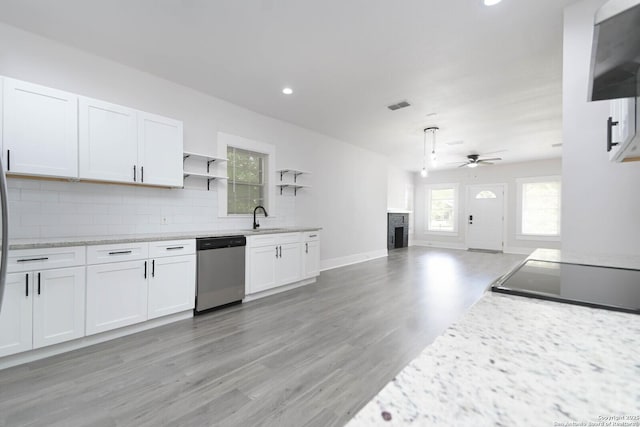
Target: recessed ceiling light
491 2
287 91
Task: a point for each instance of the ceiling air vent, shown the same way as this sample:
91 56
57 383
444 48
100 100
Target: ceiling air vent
399 105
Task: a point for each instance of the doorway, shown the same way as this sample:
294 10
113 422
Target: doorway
485 217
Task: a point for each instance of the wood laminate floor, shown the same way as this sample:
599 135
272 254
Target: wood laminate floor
312 356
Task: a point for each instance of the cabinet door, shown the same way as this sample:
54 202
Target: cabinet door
160 145
58 306
289 263
40 130
172 285
108 141
311 259
16 315
116 295
262 266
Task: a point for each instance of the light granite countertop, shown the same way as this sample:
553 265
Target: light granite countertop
515 361
16 244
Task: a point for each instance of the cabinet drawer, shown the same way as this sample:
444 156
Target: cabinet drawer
42 259
285 238
172 248
309 236
260 241
119 252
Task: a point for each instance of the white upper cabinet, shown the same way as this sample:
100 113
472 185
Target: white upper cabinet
40 130
160 147
108 142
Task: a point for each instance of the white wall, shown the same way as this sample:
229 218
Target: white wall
399 189
400 193
601 202
348 198
498 174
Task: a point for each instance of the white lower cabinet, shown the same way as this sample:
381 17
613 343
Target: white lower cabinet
58 306
288 264
279 259
42 308
172 285
262 268
138 288
116 295
311 258
16 317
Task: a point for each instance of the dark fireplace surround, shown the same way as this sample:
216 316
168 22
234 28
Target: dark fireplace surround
397 230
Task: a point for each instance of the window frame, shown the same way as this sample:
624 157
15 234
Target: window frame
225 140
456 209
520 182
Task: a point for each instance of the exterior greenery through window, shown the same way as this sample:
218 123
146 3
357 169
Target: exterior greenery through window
442 209
246 185
541 208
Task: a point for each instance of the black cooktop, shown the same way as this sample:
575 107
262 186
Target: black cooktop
594 286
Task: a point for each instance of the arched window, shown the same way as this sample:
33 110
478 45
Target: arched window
486 194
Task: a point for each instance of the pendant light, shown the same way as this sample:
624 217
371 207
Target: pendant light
433 130
424 173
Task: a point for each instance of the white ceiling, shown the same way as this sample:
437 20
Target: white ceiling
493 75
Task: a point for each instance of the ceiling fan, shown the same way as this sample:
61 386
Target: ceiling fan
474 160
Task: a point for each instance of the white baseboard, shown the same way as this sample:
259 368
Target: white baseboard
278 290
331 263
41 353
441 245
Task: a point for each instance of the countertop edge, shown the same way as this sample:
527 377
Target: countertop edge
24 244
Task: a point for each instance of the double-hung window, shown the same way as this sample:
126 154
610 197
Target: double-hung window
442 208
539 205
246 184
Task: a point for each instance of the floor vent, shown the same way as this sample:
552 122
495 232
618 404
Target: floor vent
399 105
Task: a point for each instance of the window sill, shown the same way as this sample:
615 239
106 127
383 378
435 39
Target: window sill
538 237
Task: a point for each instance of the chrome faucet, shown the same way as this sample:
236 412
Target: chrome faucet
255 223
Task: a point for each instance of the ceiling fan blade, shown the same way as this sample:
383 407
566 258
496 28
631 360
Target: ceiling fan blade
464 165
482 162
490 160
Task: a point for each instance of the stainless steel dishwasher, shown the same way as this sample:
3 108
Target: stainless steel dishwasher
220 278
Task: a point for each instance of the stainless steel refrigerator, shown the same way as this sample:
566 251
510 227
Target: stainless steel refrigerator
4 248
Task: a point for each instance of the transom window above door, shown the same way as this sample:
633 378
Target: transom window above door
486 194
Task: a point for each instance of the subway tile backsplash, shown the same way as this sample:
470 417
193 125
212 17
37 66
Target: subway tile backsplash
45 209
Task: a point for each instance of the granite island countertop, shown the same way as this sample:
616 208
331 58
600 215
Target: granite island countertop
56 242
521 361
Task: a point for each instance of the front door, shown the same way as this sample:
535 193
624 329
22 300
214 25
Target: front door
485 210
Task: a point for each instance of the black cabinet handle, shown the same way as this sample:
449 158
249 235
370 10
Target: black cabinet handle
610 125
141 173
119 252
8 160
175 247
153 268
38 283
134 173
306 248
276 252
313 235
145 269
26 284
33 259
280 251
470 219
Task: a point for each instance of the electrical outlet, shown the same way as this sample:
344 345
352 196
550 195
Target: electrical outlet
164 220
